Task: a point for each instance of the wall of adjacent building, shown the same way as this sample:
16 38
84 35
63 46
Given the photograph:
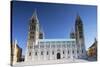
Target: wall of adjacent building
16 53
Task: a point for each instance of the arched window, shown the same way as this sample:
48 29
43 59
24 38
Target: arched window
30 54
77 51
68 51
53 52
47 53
36 53
63 52
82 51
73 51
41 52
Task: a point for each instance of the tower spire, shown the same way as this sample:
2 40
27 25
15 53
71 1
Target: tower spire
34 16
72 33
78 19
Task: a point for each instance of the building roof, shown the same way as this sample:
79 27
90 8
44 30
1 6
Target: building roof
56 40
94 44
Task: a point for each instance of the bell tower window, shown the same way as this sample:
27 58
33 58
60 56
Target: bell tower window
82 51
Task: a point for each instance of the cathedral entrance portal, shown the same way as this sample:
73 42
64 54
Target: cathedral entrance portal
58 55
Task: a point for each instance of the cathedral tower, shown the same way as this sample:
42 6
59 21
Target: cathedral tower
33 35
79 35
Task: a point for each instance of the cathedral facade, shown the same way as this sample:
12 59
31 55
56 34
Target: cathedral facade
41 49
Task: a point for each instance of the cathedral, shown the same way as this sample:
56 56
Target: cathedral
42 49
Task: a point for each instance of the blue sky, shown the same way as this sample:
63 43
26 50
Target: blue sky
56 20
